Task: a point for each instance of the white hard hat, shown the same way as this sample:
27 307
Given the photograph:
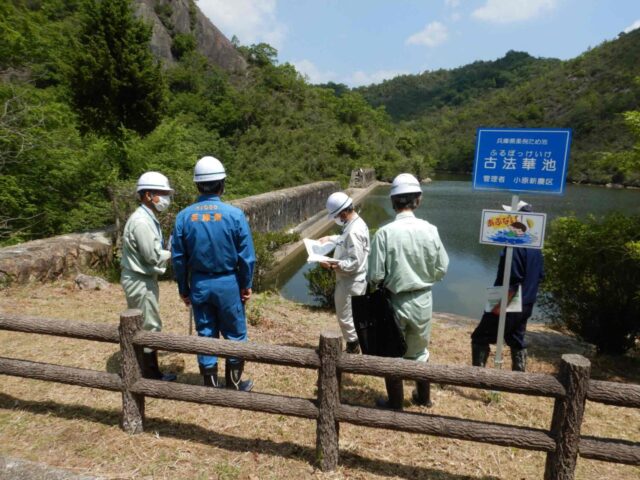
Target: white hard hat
522 207
153 181
337 202
208 169
405 183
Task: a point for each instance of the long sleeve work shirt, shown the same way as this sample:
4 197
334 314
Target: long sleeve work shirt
407 255
212 237
527 269
142 250
352 250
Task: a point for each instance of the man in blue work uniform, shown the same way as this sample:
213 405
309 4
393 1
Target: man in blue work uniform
526 271
213 260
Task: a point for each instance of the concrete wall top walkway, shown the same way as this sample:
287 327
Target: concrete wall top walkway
51 258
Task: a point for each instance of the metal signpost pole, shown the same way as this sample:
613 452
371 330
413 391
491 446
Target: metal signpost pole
504 301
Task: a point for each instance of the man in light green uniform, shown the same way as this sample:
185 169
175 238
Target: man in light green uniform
407 257
144 258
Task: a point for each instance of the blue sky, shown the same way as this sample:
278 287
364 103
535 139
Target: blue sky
359 42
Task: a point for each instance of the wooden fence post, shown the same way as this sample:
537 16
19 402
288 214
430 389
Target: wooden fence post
327 429
132 420
567 417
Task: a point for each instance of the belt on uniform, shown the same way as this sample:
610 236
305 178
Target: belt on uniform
214 274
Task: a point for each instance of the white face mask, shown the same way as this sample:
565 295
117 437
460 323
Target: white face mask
163 203
339 222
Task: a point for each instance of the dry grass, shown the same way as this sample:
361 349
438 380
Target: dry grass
77 429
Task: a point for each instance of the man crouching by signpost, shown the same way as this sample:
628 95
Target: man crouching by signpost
526 274
407 257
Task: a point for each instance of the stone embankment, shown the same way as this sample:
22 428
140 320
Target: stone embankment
315 227
52 258
285 208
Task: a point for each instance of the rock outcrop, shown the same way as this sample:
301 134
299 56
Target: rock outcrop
171 17
52 258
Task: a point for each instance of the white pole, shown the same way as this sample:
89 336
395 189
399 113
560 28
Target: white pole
506 278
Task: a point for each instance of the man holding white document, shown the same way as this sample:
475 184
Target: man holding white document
349 262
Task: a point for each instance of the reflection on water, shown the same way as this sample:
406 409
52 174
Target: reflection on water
456 209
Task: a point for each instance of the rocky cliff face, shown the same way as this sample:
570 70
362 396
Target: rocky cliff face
174 17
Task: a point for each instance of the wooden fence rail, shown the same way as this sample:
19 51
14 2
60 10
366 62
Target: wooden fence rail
571 388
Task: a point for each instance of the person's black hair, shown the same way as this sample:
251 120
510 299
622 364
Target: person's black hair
142 193
215 187
349 209
405 201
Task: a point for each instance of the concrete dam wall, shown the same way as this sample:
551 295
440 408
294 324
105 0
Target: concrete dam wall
285 208
51 258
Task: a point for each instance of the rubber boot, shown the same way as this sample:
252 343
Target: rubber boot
422 394
479 354
233 377
518 359
395 393
150 368
210 376
353 347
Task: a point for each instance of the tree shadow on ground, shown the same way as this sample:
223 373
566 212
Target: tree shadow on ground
549 346
189 432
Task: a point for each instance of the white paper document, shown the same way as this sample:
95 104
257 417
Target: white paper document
494 295
317 252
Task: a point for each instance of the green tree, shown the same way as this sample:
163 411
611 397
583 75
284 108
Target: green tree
592 283
114 78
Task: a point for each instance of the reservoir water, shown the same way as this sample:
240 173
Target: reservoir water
455 208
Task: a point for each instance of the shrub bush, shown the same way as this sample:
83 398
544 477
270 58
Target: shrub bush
592 283
265 245
322 284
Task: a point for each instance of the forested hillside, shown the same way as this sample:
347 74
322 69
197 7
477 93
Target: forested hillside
408 97
86 108
589 94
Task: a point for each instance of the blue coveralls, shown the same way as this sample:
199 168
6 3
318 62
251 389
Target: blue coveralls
213 259
526 270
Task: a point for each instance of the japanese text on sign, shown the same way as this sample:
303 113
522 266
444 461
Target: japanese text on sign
522 160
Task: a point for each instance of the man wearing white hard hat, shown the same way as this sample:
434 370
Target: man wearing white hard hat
213 260
144 258
407 258
351 252
527 271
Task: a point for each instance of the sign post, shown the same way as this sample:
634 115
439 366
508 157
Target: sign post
504 300
519 160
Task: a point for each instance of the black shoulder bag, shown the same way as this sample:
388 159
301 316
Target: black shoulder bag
376 324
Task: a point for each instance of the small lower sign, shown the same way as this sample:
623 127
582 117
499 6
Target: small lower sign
519 229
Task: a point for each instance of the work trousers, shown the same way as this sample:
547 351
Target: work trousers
217 310
345 289
515 328
413 312
142 292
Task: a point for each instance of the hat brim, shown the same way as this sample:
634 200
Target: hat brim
349 202
522 207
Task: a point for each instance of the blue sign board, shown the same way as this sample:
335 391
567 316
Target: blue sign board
522 159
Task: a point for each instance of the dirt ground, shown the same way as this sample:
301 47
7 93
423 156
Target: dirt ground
76 429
